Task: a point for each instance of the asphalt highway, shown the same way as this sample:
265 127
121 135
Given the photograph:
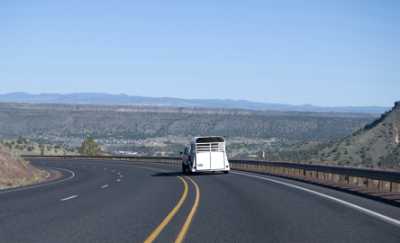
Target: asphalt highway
116 201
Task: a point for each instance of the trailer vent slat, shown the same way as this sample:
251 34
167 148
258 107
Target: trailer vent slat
210 147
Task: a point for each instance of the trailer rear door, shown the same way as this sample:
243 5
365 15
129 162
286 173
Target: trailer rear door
210 156
217 156
203 159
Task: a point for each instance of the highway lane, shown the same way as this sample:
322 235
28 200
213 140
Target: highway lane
260 211
125 211
230 208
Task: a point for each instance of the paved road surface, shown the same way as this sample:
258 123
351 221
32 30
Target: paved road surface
114 201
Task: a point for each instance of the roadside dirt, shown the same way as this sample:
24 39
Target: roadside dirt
15 172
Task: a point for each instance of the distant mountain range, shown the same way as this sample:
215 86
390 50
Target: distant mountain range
122 99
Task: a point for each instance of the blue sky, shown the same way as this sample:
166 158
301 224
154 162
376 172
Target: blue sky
299 52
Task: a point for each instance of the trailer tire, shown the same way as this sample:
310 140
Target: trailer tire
183 169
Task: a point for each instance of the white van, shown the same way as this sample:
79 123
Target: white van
205 154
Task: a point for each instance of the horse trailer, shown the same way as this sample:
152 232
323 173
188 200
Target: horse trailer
205 154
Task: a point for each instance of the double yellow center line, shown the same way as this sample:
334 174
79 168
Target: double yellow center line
188 221
185 228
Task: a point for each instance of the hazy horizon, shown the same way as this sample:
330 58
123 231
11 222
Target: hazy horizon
172 97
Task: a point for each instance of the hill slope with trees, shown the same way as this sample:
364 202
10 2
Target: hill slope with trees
377 144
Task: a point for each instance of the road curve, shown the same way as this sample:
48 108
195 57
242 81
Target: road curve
114 201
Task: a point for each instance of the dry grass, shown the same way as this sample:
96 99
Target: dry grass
15 171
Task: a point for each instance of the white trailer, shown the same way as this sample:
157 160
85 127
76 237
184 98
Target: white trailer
205 154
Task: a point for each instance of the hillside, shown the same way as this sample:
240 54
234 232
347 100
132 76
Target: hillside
17 172
122 99
377 144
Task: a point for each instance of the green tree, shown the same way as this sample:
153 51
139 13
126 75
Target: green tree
21 140
89 147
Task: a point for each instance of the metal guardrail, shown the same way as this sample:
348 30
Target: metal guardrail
375 183
372 180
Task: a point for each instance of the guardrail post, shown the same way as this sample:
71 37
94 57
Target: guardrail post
369 183
365 182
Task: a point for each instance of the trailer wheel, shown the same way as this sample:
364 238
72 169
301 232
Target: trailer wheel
226 172
184 171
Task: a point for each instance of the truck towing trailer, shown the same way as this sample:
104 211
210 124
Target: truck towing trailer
205 154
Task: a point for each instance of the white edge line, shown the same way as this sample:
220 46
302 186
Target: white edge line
43 184
369 212
69 198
